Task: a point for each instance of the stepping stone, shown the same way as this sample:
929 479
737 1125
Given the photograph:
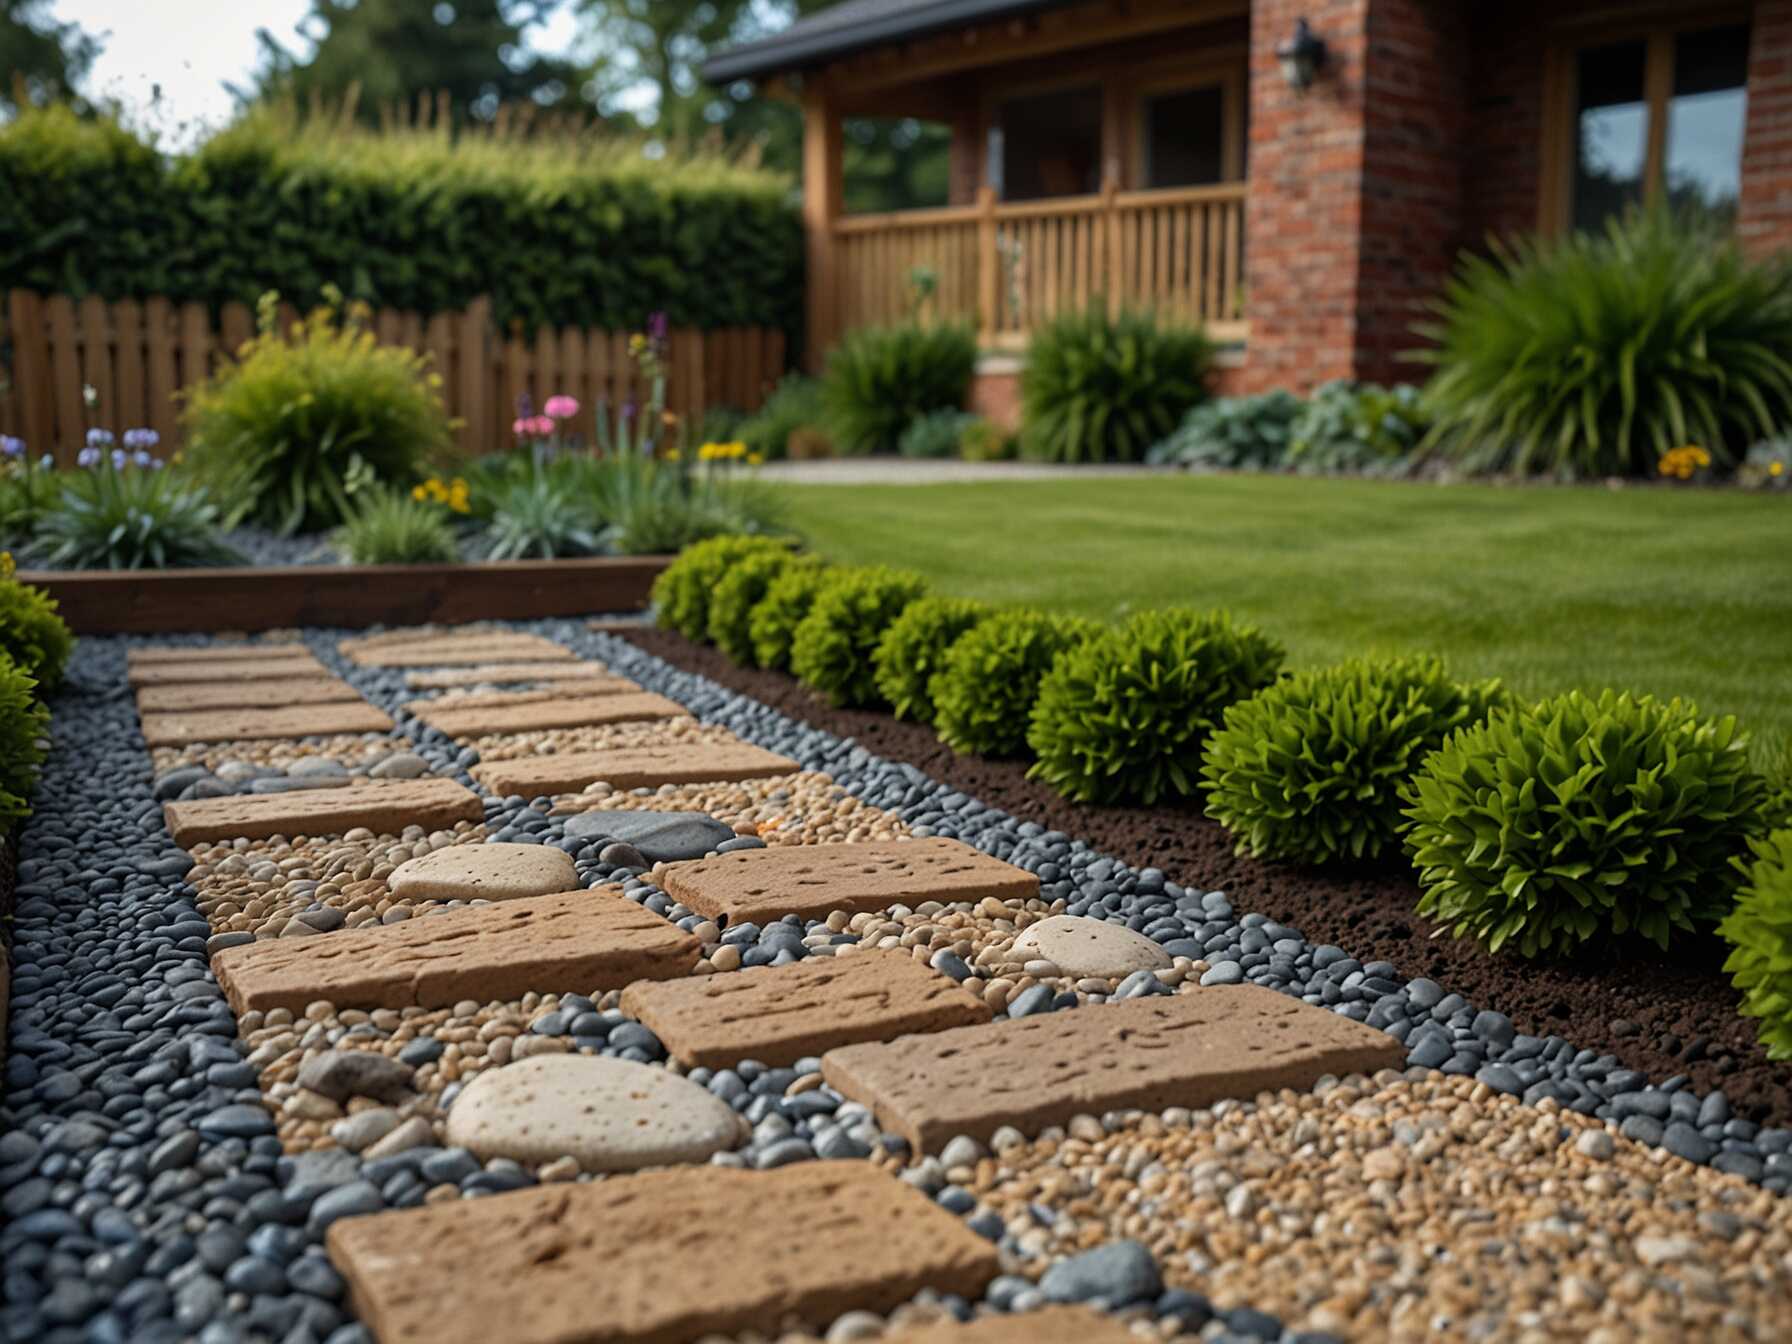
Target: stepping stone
815 880
459 649
497 673
210 653
1189 1049
488 872
384 807
664 1257
607 1114
251 725
779 1014
1053 1325
572 711
1080 946
632 768
281 665
270 694
572 942
662 837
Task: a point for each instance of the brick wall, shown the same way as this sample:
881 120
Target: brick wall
1503 144
1764 221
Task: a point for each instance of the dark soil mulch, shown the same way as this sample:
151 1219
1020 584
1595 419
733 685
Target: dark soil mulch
1662 1018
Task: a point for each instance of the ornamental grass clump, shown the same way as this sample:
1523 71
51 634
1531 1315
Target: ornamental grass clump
878 380
833 648
1122 717
24 731
392 527
913 650
773 622
33 636
1581 820
983 697
682 591
1312 769
736 594
1759 931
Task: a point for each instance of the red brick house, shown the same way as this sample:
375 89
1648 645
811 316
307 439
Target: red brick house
1303 197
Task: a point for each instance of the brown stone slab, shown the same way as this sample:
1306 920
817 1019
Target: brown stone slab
1053 1325
815 880
383 806
576 941
616 1261
442 678
460 649
271 694
569 711
632 768
209 653
252 725
779 1014
282 666
1189 1049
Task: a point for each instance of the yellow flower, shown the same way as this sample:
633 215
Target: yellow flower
754 459
418 493
672 455
1776 468
7 566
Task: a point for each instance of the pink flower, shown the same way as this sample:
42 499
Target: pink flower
542 426
562 407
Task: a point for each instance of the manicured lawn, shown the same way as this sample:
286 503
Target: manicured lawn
1677 592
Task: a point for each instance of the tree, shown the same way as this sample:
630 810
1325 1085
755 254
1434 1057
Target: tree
39 57
395 50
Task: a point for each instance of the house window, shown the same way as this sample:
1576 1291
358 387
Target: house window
1184 137
1659 118
1048 144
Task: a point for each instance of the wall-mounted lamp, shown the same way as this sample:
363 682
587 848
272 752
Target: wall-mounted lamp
1301 56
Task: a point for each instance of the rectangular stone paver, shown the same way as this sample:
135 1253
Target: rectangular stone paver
569 711
1053 1325
175 729
208 653
577 941
447 651
442 678
270 694
383 806
815 880
632 768
281 665
1189 1049
779 1014
663 1257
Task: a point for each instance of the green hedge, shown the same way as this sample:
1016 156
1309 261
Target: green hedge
585 233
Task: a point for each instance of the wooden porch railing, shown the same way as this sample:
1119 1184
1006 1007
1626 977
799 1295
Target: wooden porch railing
1009 267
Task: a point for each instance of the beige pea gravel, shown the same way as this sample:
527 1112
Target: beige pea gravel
1411 1208
596 737
802 809
349 749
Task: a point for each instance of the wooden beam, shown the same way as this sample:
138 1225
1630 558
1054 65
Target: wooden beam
823 204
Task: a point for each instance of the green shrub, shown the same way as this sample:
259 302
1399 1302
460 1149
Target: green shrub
793 403
986 688
1312 770
984 441
935 434
1122 717
772 624
735 595
299 420
33 636
1101 389
673 513
1356 427
1233 433
1594 354
682 591
879 379
130 517
24 727
913 650
833 649
391 527
1759 931
1582 818
28 488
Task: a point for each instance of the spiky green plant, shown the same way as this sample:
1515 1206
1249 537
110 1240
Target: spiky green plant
879 379
390 527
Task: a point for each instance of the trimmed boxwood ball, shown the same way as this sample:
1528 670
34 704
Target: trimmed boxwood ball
24 723
1121 718
1581 819
1312 769
984 694
32 632
736 593
1759 931
913 650
682 591
833 648
771 625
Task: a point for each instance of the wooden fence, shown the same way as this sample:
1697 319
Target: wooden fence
137 355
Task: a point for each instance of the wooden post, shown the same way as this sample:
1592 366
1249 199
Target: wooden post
989 267
31 382
1116 252
823 202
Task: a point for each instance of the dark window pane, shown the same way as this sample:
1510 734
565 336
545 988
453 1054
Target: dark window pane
1050 144
1611 132
1185 138
1705 121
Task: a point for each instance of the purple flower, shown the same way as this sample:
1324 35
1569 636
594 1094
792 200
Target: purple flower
525 406
658 327
155 463
99 438
11 447
143 459
629 408
141 438
46 462
88 457
119 458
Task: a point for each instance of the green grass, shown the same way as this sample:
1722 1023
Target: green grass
1673 592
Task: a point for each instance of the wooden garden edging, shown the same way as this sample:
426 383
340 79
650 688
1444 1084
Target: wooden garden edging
105 602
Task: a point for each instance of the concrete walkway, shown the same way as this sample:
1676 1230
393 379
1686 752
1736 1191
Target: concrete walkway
936 471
